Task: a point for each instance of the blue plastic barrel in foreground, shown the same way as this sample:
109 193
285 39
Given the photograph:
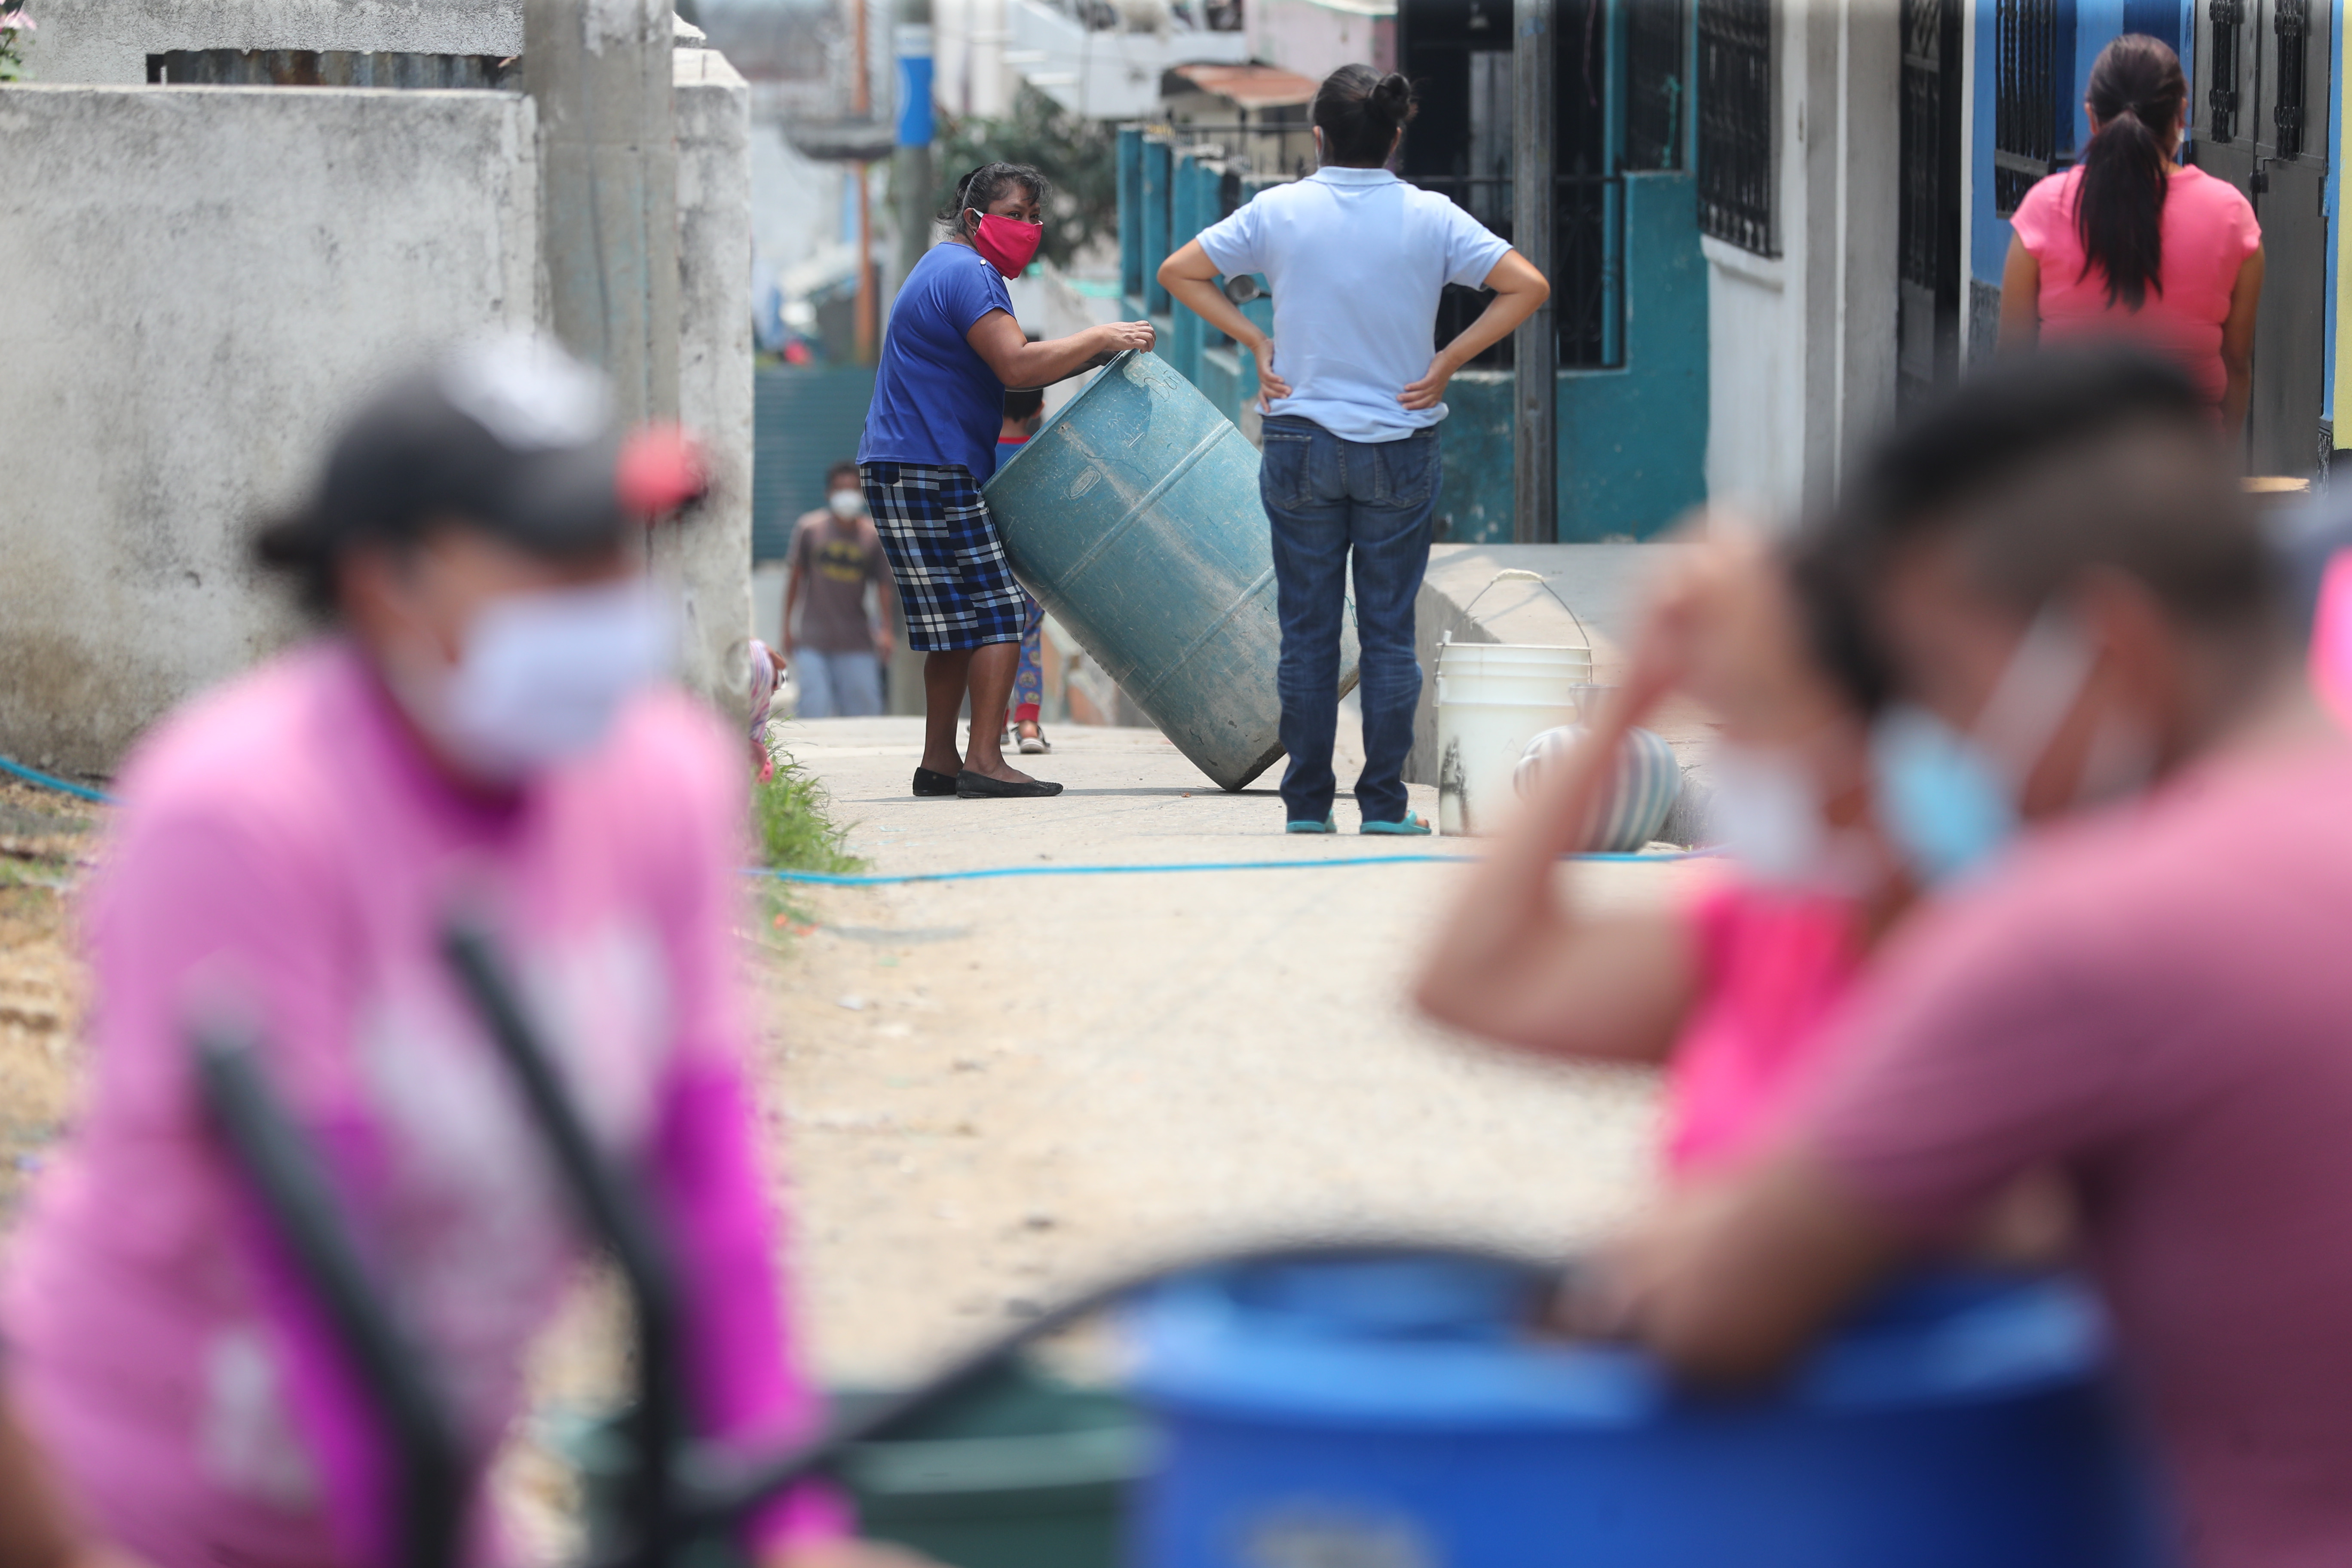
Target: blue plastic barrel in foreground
1133 515
1397 1415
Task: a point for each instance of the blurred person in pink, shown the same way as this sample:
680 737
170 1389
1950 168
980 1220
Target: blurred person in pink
1728 988
484 727
2109 762
2129 242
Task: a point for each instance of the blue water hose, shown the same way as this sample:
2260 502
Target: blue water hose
63 786
835 880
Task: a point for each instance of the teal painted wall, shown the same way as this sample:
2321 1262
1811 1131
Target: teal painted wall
802 422
1632 441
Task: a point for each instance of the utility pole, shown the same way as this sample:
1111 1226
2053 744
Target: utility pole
1535 347
912 171
861 108
600 77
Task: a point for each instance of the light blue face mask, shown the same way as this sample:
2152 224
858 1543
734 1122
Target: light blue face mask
1947 807
1948 800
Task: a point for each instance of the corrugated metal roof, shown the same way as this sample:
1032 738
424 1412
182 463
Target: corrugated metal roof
1252 87
802 422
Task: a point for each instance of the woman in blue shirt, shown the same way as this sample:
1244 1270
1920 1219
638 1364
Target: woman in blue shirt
951 348
1356 259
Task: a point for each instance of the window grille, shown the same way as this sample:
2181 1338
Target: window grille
2222 99
2025 98
1656 92
1735 123
1920 217
1582 262
2289 23
327 67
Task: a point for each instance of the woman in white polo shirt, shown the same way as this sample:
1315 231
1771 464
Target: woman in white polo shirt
1352 385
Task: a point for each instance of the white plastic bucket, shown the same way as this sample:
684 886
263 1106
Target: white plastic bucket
1492 700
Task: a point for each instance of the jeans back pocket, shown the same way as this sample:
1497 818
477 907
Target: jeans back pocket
1285 475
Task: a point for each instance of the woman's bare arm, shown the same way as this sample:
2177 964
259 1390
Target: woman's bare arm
998 339
1518 289
1190 279
2237 345
2020 298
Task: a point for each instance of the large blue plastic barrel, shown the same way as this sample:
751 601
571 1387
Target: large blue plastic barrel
1133 515
1400 1416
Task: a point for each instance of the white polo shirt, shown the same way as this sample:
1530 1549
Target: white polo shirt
1355 259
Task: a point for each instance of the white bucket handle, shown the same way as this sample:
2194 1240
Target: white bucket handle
1521 574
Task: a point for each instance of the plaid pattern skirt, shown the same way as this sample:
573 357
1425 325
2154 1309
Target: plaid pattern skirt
945 556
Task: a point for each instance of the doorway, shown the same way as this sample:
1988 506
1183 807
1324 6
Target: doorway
2259 116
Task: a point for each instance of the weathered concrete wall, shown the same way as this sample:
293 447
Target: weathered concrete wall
710 553
200 282
108 41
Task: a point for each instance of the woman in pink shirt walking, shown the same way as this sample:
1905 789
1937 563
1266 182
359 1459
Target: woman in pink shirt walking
483 730
2132 244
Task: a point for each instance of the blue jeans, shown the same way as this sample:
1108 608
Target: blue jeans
838 685
1332 500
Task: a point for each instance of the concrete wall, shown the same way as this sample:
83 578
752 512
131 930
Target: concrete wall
1801 350
200 281
1316 38
108 41
710 551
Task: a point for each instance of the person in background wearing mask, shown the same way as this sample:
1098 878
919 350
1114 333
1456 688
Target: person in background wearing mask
2147 993
952 350
1731 989
838 649
482 729
2130 243
1358 261
1025 410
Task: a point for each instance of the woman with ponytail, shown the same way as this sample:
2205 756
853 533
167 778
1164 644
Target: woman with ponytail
1352 385
952 350
2132 244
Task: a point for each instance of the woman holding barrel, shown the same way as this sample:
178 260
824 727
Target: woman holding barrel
2132 244
1356 259
952 350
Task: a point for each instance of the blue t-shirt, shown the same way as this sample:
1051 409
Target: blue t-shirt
1355 259
935 399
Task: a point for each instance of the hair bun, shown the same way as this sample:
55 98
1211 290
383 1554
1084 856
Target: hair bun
1393 94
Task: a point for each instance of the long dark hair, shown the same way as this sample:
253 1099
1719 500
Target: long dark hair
2137 93
1360 113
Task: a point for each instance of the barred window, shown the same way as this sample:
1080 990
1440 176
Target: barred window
1735 123
2026 139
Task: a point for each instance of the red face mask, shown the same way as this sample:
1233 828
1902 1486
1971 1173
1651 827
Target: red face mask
1009 244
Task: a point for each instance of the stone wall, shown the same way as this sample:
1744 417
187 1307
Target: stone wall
200 282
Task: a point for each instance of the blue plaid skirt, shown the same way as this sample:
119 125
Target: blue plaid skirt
945 556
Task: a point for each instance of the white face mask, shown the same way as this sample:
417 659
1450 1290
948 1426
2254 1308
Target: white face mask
543 677
846 504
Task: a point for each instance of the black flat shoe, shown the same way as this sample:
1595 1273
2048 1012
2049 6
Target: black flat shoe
970 785
928 782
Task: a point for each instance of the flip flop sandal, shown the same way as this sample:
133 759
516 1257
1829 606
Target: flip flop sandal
1412 825
1326 825
970 785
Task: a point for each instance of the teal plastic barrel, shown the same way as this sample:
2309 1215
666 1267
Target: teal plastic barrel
1133 515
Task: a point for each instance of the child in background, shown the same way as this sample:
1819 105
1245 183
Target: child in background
1729 990
1025 410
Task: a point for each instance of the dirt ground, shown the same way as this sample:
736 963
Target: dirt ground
985 1095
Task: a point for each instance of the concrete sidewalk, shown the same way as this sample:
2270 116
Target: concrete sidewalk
996 1089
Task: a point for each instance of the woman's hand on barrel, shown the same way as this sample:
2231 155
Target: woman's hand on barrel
1120 335
848 1552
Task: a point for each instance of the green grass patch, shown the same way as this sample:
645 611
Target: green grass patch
793 825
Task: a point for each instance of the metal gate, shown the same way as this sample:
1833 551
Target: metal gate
2260 114
1927 299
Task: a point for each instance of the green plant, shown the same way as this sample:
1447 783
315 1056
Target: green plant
792 825
1079 155
14 25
